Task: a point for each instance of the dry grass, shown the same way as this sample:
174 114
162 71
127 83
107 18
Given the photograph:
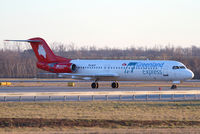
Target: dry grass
177 111
98 131
111 110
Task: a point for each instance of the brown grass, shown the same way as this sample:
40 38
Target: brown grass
111 110
97 130
150 117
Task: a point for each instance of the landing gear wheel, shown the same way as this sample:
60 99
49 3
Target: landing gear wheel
173 87
115 85
95 85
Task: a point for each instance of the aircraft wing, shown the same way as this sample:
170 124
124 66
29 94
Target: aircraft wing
92 76
104 76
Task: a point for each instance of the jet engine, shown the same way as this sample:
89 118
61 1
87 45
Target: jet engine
58 67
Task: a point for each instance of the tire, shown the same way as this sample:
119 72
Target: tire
97 85
114 85
173 87
93 85
117 85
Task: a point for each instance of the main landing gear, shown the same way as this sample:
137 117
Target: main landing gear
115 85
95 85
173 86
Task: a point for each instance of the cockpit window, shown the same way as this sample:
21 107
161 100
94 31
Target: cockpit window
178 67
175 67
182 67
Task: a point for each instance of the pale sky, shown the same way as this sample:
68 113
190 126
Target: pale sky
112 23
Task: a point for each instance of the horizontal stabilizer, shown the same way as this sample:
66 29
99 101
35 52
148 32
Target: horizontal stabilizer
24 40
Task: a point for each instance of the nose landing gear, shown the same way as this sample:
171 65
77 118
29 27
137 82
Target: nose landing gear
115 85
173 86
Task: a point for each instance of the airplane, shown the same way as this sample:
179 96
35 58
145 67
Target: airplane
108 70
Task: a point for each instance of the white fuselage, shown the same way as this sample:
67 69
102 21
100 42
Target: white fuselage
132 70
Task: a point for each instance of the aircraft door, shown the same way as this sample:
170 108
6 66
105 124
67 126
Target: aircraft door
165 73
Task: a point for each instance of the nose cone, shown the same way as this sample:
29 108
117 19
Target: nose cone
189 74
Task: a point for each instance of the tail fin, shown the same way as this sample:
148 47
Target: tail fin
42 50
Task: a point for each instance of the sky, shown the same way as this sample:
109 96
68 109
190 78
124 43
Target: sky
101 23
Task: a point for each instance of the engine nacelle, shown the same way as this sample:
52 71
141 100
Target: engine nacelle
65 68
73 68
58 67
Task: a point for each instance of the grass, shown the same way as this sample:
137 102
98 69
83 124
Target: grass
99 131
163 114
111 110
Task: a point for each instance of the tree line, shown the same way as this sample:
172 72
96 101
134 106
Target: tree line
20 63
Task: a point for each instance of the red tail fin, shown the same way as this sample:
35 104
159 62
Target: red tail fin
43 52
47 60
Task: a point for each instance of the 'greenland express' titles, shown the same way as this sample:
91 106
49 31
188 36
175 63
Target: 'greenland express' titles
146 68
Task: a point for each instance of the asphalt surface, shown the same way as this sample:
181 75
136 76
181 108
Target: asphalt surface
89 89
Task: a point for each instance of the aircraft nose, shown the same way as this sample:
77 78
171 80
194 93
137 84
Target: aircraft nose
190 74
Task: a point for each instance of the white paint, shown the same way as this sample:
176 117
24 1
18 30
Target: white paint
41 51
135 70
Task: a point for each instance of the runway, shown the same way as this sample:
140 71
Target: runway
59 86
